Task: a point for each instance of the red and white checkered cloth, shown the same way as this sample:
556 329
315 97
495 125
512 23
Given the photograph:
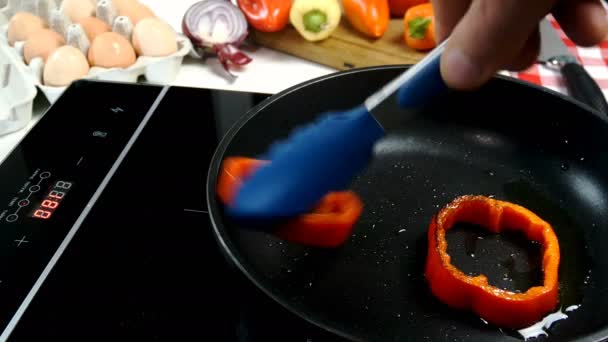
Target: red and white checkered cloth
593 59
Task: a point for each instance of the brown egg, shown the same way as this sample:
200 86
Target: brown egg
93 27
65 65
135 11
111 50
22 25
78 9
122 5
41 44
153 37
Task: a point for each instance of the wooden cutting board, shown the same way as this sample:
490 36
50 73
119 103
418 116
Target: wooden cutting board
346 48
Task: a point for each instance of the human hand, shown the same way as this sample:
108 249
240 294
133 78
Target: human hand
491 35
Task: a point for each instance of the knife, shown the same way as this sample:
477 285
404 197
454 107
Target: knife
327 154
555 55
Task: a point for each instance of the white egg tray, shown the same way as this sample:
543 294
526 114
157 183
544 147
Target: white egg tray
158 70
17 93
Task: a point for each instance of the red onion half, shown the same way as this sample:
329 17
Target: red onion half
218 25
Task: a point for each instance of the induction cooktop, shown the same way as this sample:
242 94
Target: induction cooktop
103 228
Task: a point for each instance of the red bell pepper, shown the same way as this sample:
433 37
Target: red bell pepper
266 15
328 225
399 7
456 289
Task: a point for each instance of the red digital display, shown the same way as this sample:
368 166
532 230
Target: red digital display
51 201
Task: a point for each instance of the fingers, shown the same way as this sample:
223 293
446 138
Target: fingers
584 21
528 54
490 36
447 15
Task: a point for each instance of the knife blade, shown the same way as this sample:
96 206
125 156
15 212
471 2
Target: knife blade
580 85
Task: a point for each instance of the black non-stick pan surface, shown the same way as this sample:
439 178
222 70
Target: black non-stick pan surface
510 140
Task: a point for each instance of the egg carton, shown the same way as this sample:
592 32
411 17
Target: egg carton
157 70
17 93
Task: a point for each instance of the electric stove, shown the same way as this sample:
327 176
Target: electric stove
104 233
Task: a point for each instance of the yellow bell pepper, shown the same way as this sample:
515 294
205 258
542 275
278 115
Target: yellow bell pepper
315 20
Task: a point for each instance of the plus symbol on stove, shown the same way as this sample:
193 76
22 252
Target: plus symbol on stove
22 240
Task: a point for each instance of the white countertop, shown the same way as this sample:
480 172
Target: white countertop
269 72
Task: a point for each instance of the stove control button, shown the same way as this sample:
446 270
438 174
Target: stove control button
100 134
21 241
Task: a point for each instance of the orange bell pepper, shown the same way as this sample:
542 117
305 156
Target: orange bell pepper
399 7
368 16
456 289
266 15
327 225
419 24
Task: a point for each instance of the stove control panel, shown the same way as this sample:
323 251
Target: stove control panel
37 198
51 177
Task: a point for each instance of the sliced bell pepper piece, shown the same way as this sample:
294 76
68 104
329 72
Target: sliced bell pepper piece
233 172
329 224
458 290
266 15
368 16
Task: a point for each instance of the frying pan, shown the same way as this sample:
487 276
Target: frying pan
510 140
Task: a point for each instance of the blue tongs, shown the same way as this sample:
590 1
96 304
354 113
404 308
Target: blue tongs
326 155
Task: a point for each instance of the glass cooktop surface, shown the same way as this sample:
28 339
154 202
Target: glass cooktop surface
103 228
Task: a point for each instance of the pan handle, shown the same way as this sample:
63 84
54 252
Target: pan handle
583 87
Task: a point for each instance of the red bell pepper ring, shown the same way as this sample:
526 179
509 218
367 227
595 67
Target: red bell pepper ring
232 174
329 224
456 289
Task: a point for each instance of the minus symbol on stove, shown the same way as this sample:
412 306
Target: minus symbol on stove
196 211
79 161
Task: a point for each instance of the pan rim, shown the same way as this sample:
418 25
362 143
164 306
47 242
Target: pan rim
228 247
